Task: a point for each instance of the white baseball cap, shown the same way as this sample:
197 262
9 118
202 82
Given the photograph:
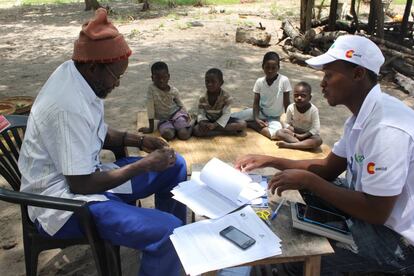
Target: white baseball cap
352 48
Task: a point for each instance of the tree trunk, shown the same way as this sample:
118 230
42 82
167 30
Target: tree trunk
298 58
380 19
406 57
392 45
320 22
403 68
332 15
376 18
354 15
325 39
405 82
306 7
91 4
404 23
371 17
145 6
298 40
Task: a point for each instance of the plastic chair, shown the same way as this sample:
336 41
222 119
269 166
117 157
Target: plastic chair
106 256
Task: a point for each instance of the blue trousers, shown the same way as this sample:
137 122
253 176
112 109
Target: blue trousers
147 230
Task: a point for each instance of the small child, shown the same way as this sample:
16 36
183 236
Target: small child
271 98
214 109
301 130
164 104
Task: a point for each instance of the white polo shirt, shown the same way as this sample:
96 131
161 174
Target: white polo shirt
271 96
379 147
65 133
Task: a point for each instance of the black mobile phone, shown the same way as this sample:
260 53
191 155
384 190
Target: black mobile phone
322 217
237 237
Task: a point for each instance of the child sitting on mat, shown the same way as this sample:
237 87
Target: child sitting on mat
301 129
164 104
214 109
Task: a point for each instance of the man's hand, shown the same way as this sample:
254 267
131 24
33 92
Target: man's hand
251 161
159 160
145 130
150 143
262 123
291 179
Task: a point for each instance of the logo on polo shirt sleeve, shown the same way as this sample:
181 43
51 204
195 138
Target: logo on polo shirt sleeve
371 168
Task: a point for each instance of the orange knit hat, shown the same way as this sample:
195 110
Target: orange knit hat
99 41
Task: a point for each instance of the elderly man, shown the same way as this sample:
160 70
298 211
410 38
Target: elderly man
60 156
377 153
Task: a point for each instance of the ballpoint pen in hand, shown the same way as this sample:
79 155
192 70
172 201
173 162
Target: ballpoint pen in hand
274 214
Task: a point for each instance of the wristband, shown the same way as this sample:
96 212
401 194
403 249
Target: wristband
141 141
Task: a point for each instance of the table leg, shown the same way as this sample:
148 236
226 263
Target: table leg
312 266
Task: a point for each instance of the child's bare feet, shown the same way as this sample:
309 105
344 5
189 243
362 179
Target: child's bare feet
241 133
282 144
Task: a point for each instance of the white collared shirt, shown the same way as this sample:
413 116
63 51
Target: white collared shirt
65 133
379 147
271 96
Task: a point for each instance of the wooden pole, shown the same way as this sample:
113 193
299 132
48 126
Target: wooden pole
371 17
309 9
404 23
306 8
380 19
302 15
354 15
332 15
376 18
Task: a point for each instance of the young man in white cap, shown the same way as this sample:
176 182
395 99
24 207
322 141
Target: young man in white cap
60 156
377 153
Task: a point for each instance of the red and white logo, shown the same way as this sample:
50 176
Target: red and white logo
371 168
349 53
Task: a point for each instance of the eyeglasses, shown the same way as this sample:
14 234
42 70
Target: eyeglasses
112 74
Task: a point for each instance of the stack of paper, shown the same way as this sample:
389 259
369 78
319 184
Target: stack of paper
201 248
217 190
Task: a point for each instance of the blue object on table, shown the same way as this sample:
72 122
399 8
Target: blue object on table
274 214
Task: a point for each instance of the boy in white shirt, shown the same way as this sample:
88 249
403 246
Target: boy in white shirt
301 128
271 98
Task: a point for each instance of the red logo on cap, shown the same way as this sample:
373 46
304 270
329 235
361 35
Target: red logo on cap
349 53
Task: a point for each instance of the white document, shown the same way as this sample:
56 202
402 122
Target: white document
263 201
217 190
201 248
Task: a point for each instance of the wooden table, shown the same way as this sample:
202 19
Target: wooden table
297 245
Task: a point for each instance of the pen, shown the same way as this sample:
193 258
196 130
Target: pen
274 214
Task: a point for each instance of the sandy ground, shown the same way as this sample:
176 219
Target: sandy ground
35 40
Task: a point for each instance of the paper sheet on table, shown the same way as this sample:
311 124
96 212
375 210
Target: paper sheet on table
217 190
201 248
263 201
